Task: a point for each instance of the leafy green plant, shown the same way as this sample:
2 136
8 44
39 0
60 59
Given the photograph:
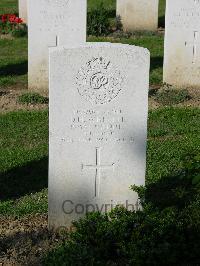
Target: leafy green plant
166 232
118 23
5 28
98 21
20 31
169 96
32 98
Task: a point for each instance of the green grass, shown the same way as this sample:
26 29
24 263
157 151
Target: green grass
13 53
29 204
111 5
24 154
11 5
32 98
13 58
155 45
162 13
8 6
13 62
173 134
170 96
24 135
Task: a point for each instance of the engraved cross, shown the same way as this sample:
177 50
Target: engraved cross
98 167
194 44
56 43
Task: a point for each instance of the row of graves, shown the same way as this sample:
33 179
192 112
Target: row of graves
99 98
135 14
54 25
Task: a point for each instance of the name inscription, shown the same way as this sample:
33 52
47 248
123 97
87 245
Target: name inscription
186 17
97 126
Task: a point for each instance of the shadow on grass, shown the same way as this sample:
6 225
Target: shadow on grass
23 180
161 22
156 62
112 13
16 69
170 191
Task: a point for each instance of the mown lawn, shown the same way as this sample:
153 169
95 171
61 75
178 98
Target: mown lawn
111 5
14 53
8 6
155 45
14 61
173 133
24 135
24 153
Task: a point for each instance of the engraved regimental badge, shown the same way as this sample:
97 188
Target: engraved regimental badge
98 81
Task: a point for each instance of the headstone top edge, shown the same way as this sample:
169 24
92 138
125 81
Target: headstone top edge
100 45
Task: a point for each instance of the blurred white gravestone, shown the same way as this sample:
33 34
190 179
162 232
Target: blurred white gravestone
138 15
52 23
98 128
22 5
182 43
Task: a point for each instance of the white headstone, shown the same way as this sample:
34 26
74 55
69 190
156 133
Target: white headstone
182 43
138 15
52 23
98 128
23 10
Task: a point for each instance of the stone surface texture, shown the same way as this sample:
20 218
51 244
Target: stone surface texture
138 15
23 10
52 23
182 43
98 128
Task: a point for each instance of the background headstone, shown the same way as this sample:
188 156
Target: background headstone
22 5
138 15
182 43
98 128
52 23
